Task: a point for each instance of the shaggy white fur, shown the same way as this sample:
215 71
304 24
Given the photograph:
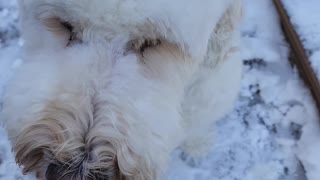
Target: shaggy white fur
110 88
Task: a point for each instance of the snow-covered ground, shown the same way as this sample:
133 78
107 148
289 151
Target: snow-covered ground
274 121
306 19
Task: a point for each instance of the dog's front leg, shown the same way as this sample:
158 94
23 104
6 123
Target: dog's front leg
212 92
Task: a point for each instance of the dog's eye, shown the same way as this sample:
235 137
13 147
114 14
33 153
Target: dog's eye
70 28
147 44
140 46
61 29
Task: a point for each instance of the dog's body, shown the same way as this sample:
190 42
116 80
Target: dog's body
110 88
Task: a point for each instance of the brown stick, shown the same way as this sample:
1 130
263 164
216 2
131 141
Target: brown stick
300 58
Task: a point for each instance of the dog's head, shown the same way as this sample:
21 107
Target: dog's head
99 94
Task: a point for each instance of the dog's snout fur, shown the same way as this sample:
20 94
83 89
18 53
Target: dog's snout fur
108 89
65 135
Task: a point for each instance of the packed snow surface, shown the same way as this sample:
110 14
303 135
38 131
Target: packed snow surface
305 17
274 121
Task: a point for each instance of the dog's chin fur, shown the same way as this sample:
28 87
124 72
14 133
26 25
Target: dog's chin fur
128 90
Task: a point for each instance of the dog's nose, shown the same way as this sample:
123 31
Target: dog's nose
57 172
54 172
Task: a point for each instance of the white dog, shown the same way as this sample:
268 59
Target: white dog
110 88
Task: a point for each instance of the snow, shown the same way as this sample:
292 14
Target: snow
307 28
274 121
305 17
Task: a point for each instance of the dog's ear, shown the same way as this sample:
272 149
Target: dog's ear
222 39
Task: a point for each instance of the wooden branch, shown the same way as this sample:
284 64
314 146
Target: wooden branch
300 58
